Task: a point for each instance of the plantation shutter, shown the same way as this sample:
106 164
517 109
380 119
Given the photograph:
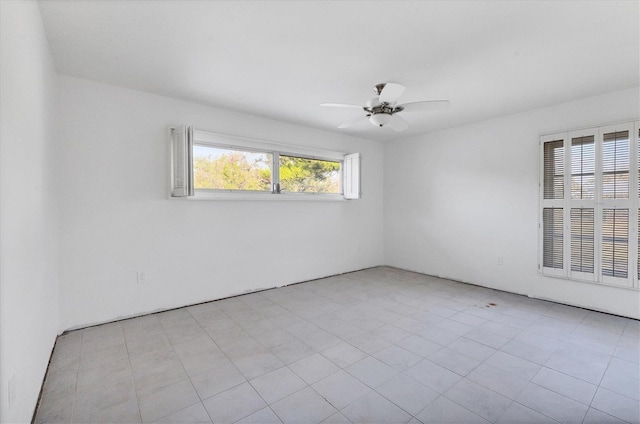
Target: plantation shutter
553 169
615 165
590 205
582 239
351 171
182 161
552 238
583 166
615 242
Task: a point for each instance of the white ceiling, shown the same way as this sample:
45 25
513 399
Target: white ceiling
281 59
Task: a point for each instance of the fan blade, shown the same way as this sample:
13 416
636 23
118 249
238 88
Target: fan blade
345 105
352 122
426 105
398 124
391 92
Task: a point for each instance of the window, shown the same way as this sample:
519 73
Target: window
229 169
587 213
208 165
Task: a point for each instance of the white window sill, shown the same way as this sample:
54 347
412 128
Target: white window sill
233 195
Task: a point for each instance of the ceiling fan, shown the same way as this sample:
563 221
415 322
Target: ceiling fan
382 110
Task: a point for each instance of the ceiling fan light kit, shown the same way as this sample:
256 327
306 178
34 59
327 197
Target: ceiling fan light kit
381 110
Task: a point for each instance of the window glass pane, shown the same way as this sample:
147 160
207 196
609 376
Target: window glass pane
552 238
582 246
615 242
553 170
615 165
227 169
301 175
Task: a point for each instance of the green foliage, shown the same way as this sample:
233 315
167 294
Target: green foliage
232 171
241 171
309 175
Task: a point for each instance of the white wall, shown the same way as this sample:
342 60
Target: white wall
458 199
28 209
116 218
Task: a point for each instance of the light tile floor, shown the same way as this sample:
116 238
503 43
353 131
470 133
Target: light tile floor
375 346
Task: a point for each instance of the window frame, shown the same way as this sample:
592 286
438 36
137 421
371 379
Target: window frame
225 141
599 204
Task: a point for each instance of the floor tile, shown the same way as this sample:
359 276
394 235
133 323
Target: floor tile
234 404
520 414
498 380
125 412
369 343
373 408
580 363
343 354
566 385
210 383
512 364
277 384
552 404
340 389
478 399
194 414
371 371
617 405
304 406
623 378
263 416
255 365
167 400
337 418
445 411
453 361
598 417
320 340
528 351
397 357
419 345
407 393
545 360
292 351
313 368
487 338
433 376
472 349
274 338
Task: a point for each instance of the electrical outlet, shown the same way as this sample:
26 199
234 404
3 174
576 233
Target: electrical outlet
142 277
500 260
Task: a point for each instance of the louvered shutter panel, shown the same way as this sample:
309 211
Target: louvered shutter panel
351 172
182 161
583 165
615 165
552 238
553 169
582 239
615 242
